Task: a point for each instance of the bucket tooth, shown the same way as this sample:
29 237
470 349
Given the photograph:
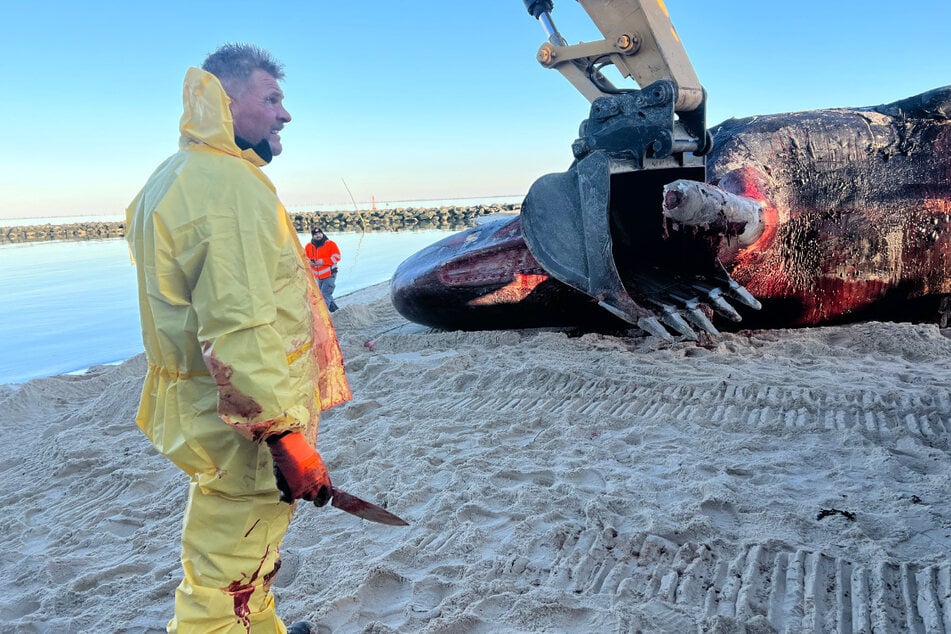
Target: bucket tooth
619 312
715 297
652 326
722 306
697 316
742 295
671 317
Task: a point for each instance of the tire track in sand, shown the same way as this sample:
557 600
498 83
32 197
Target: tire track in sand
793 589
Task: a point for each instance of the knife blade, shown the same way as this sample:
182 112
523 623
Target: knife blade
361 508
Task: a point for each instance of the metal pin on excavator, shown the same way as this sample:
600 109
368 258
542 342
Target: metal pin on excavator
611 242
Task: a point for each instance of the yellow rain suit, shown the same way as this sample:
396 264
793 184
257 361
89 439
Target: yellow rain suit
240 347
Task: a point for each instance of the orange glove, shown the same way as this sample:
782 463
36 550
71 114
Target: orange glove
299 469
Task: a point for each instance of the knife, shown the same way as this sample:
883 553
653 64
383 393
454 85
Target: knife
361 508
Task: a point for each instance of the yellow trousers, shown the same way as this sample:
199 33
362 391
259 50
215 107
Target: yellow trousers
231 534
230 554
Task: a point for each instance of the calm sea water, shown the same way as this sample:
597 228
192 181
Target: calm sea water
66 306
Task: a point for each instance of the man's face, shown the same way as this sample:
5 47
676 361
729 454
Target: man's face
259 113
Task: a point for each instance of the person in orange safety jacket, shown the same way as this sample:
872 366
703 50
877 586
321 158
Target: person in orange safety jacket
324 255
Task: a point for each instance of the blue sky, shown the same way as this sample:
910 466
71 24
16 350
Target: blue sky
405 100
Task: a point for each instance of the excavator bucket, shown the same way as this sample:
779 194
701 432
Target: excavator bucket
600 227
604 234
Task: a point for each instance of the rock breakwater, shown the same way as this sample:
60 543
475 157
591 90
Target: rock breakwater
398 219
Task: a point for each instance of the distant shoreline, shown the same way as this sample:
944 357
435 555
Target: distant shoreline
447 217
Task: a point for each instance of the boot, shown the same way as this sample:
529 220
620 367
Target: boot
300 627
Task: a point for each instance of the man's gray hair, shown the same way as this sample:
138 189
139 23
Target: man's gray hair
234 63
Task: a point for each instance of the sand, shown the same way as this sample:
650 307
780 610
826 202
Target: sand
784 480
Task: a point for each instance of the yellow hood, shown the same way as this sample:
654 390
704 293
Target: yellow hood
207 119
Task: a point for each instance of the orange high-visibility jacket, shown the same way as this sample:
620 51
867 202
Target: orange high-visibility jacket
328 252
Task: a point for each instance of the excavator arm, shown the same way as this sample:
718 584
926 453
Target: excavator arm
639 40
600 227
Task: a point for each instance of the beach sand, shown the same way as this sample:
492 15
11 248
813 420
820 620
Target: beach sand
784 480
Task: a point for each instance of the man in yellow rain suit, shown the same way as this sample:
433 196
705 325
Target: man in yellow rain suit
241 350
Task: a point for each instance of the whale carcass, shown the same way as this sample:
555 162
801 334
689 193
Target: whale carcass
852 222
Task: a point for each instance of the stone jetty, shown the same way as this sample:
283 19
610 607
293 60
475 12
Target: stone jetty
397 219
